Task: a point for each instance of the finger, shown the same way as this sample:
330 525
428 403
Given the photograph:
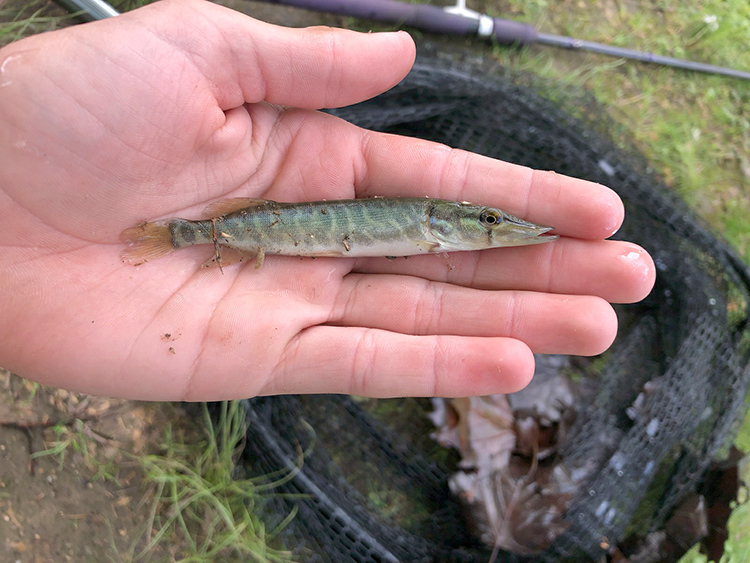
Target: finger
249 61
378 363
619 272
394 165
550 324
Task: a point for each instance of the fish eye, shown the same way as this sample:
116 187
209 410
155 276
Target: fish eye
490 217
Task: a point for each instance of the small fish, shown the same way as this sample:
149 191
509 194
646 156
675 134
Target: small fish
377 226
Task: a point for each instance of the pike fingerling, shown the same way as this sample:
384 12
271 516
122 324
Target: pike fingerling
338 228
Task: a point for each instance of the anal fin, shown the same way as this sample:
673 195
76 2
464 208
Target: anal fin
229 257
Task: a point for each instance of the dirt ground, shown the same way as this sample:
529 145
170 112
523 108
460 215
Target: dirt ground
59 507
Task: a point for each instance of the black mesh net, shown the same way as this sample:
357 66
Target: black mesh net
368 482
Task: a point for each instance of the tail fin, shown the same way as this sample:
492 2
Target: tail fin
147 241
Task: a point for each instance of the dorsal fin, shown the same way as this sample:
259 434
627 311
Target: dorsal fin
227 206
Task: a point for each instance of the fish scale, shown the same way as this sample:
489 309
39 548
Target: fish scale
329 228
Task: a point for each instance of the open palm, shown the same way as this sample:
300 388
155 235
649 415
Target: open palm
160 111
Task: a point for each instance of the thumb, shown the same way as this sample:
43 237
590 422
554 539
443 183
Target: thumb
250 61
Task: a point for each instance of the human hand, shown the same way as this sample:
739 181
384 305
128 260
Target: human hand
160 111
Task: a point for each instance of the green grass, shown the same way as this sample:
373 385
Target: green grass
69 438
35 18
200 511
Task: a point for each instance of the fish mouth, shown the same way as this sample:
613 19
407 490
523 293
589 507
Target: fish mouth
531 233
540 235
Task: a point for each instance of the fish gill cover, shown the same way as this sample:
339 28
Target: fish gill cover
648 419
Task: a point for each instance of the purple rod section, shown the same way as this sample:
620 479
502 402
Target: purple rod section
422 16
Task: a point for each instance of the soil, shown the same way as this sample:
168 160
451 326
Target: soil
81 504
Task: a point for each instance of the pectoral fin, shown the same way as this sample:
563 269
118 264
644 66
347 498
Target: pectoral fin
260 257
428 246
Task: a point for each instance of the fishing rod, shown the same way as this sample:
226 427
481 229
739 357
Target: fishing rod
452 20
459 20
89 10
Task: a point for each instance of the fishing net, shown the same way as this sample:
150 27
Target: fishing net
368 482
